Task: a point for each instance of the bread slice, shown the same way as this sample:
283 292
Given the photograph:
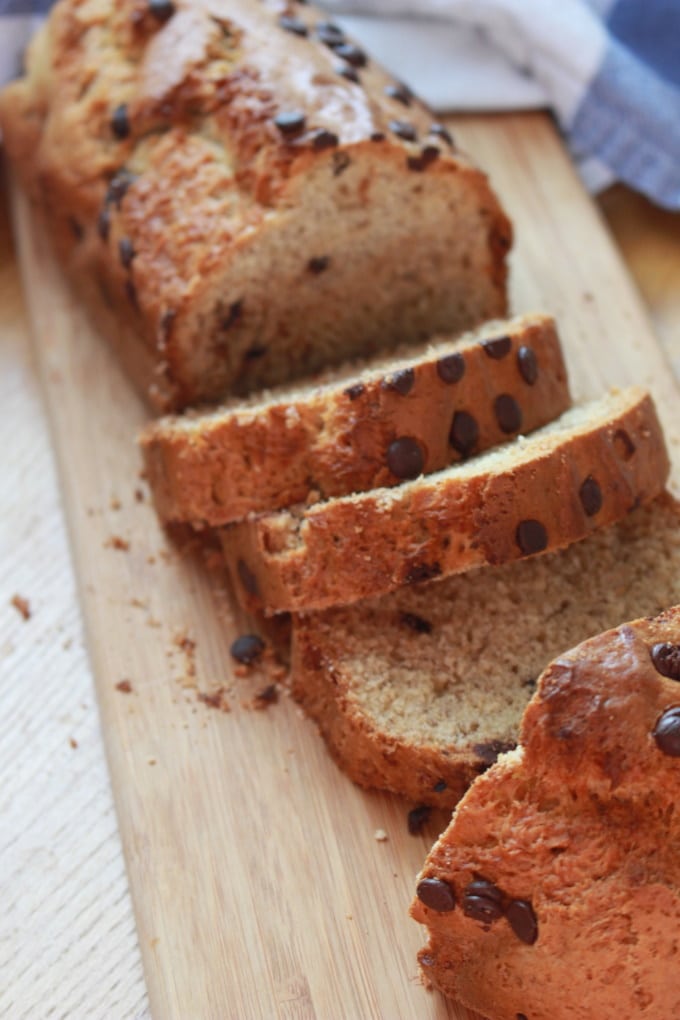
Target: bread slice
243 195
583 471
418 691
555 892
331 437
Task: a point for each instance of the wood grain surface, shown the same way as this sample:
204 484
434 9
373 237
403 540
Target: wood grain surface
259 887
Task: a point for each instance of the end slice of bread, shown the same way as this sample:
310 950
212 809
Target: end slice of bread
555 892
418 692
331 436
536 494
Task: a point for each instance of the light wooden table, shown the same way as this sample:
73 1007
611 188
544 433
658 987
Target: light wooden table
68 946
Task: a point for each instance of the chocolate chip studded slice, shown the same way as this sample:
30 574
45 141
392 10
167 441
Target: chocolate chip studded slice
120 125
403 129
498 347
294 25
401 382
590 495
667 732
483 901
522 920
531 537
436 894
527 364
508 413
405 457
162 10
464 433
290 122
247 649
451 368
666 659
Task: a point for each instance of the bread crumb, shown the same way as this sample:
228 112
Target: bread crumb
151 761
22 606
269 695
139 495
124 686
73 743
116 542
380 836
215 699
115 503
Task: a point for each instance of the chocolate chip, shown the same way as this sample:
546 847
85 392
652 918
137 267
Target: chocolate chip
531 536
162 10
322 139
464 433
352 54
522 920
120 125
400 92
247 578
451 368
293 25
624 445
255 352
422 572
355 390
666 659
421 162
118 186
667 732
76 228
527 364
377 136
330 34
348 72
483 901
131 294
416 623
508 414
126 251
401 382
521 1016
417 818
232 317
247 649
403 129
498 347
340 163
104 224
290 123
318 263
436 894
442 132
405 457
440 787
590 495
490 750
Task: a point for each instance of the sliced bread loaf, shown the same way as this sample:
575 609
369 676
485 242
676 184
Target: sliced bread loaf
331 437
555 892
418 691
243 195
581 472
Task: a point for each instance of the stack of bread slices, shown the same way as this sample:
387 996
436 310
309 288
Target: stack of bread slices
440 523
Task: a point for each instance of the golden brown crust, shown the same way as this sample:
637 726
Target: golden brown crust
154 153
580 823
530 497
331 440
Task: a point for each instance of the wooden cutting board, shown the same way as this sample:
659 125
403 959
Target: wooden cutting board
259 886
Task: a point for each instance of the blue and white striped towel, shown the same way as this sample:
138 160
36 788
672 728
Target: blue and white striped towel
609 69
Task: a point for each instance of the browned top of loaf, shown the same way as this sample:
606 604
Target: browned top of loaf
331 436
583 471
130 120
579 825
